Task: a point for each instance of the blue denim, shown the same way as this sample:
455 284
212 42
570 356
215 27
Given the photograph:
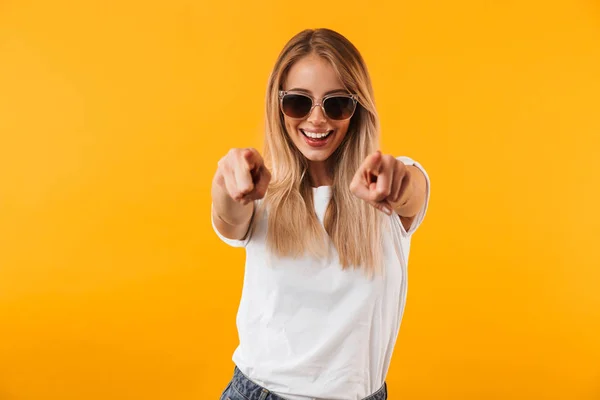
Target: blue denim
242 388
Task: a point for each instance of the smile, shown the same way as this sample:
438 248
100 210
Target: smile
315 135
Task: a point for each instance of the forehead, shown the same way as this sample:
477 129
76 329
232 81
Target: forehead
314 75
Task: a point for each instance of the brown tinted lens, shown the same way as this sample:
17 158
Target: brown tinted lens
339 107
296 105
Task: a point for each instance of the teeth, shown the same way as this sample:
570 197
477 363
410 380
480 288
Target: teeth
316 135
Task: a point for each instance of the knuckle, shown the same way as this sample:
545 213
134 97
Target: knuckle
382 191
223 161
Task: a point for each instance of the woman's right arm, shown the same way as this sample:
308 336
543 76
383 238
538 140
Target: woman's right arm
240 179
230 217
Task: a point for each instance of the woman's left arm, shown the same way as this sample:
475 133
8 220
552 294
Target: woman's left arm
413 197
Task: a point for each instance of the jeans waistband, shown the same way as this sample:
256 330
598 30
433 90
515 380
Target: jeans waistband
253 391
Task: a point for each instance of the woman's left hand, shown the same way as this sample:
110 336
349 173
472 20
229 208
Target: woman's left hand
384 182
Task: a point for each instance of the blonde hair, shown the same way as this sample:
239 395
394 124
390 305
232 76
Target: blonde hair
353 225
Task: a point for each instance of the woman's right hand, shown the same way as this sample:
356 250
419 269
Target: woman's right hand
243 174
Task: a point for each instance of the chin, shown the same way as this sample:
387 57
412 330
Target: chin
316 156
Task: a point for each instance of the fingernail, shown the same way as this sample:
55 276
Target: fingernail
387 211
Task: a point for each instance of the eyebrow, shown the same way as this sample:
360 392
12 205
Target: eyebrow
341 90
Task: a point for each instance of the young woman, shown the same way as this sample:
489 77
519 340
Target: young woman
326 221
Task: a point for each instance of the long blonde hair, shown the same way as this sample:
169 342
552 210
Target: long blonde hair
353 225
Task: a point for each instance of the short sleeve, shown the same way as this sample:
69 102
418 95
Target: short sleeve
230 242
421 214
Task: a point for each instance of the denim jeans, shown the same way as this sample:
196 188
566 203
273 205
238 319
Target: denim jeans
242 388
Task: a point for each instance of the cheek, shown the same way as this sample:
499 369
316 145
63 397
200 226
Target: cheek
343 128
290 125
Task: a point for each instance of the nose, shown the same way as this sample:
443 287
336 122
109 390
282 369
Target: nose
317 116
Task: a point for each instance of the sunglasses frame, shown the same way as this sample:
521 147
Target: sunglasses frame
283 93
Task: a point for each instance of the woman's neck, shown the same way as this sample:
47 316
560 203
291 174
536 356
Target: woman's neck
319 173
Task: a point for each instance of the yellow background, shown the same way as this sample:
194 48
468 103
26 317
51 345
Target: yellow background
113 116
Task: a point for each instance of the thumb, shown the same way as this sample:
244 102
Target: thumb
248 155
377 159
372 164
252 158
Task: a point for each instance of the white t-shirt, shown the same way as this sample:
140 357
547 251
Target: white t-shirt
310 330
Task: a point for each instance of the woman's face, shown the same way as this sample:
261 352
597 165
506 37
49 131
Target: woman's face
314 76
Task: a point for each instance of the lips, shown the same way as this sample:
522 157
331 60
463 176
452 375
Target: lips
317 139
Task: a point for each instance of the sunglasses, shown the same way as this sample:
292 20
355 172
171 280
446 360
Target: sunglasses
337 107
